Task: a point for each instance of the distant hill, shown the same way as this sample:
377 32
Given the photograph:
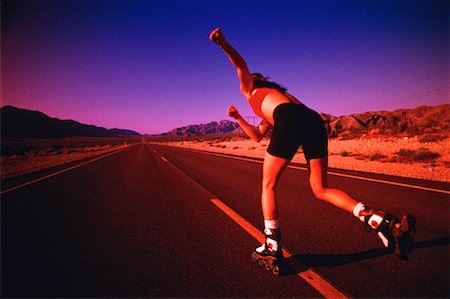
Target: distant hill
22 123
416 121
221 127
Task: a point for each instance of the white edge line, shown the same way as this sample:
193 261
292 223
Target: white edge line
329 172
309 276
60 172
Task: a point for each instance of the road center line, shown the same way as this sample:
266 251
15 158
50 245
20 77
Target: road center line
60 172
330 173
312 278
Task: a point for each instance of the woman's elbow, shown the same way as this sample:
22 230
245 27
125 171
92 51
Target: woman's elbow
257 138
246 92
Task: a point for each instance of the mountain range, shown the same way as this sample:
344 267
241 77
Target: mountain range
416 121
22 123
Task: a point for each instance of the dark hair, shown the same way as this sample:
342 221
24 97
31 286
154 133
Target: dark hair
261 81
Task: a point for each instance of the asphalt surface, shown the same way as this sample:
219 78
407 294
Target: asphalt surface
140 223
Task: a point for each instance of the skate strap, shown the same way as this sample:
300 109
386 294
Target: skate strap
386 224
274 234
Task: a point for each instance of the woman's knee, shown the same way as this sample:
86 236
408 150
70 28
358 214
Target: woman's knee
319 192
269 183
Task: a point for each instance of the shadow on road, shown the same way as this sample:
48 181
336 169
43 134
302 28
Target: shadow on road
301 262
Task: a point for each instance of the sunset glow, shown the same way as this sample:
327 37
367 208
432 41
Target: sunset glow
149 66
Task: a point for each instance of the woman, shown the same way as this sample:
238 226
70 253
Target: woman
293 125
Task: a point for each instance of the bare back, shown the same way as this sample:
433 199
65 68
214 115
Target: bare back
264 101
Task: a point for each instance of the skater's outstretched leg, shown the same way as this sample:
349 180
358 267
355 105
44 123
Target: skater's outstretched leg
318 172
393 232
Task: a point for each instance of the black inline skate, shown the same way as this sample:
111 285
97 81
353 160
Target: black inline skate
394 233
266 256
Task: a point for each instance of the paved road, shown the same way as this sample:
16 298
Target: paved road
140 223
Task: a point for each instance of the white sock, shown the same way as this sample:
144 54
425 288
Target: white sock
357 209
272 224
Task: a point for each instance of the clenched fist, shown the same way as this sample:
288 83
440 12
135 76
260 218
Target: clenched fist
233 112
217 36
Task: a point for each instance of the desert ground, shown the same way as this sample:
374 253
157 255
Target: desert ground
414 157
22 164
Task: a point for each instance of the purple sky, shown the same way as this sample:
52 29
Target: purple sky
148 66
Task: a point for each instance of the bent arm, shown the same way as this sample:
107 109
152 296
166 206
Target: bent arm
255 133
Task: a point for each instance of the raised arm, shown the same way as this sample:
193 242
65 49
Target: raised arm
245 78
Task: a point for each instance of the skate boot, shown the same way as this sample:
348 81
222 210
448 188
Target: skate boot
269 255
394 233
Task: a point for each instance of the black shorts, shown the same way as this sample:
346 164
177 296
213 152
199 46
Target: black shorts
297 125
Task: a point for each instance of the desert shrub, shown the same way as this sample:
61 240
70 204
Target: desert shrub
344 153
14 149
376 156
346 136
50 151
421 155
57 147
236 147
432 138
405 153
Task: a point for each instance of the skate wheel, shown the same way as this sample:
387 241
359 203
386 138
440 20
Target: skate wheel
263 263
